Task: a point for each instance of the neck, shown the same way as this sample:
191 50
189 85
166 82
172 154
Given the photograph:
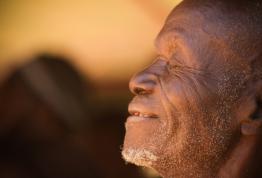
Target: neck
239 162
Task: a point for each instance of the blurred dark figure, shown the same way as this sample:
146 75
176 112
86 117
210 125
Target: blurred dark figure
49 127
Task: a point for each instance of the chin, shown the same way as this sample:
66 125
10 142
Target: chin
139 157
141 143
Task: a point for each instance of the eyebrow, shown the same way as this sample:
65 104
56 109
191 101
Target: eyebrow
173 34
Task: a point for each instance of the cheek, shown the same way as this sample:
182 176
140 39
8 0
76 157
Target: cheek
179 94
205 108
191 92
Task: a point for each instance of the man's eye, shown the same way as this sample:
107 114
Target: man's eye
172 66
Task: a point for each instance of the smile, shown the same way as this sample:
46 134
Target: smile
137 116
141 110
144 115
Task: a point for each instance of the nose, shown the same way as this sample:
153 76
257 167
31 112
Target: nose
143 83
146 81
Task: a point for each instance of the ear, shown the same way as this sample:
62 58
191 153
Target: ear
253 125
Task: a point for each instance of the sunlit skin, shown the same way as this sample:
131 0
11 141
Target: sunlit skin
194 106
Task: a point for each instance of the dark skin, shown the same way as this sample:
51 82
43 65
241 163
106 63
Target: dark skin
196 110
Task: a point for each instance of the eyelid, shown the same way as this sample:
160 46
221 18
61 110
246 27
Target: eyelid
174 66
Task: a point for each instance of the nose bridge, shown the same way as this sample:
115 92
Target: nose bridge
144 82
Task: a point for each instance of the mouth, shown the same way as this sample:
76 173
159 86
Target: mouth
141 109
136 116
141 114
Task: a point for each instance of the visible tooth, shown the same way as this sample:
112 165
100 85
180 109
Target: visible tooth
146 115
136 113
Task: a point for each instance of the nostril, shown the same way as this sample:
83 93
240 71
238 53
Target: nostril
140 91
143 83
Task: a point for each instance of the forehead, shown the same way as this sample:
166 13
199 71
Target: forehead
184 22
198 27
184 29
197 40
228 29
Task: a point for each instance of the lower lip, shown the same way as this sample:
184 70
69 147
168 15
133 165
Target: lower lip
139 119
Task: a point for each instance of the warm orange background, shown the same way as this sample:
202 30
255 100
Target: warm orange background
108 40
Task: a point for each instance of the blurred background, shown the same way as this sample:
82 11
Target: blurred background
64 72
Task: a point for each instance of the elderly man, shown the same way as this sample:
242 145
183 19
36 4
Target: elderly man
197 109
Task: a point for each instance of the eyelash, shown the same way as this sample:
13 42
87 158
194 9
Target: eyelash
171 66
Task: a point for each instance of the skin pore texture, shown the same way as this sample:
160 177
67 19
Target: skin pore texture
197 108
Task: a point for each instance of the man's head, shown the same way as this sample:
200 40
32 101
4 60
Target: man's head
202 93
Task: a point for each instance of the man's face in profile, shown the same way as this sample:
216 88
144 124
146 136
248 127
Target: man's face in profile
185 111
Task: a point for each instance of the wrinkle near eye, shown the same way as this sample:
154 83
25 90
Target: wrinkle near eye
189 78
176 73
175 69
